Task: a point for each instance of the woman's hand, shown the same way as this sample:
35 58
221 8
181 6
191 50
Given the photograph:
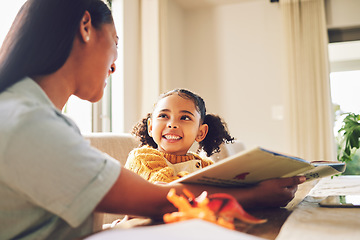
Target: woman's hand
276 192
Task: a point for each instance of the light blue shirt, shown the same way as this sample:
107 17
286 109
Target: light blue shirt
51 179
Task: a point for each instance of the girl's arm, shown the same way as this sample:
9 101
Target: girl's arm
133 195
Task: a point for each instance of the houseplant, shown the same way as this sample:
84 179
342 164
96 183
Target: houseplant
349 143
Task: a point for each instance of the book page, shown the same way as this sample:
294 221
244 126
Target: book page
247 168
190 229
255 165
321 171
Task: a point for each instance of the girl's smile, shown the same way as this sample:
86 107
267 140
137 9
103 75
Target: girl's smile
171 137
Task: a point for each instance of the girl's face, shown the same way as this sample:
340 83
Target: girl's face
175 125
100 58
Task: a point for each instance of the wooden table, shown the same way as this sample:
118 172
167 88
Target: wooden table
304 219
312 222
276 217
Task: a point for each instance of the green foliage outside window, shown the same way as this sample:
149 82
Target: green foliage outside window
348 143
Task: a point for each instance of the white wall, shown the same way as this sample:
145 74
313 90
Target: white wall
342 13
232 56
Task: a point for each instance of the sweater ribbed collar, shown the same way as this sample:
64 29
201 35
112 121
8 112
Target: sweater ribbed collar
178 158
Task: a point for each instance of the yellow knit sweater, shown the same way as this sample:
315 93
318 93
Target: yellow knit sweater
156 166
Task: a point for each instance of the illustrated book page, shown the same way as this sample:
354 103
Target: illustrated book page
258 164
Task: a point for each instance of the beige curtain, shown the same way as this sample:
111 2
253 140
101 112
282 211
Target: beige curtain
309 109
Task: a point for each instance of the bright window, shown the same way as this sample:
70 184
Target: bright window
8 11
81 112
345 78
345 85
345 93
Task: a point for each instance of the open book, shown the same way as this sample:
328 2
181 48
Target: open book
257 164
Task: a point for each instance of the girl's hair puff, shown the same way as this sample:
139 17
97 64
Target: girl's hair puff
217 134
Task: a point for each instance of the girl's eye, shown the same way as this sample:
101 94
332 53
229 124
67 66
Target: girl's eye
162 115
187 118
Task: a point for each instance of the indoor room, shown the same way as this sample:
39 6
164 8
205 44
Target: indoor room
284 76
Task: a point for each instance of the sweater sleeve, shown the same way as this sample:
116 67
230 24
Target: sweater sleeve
150 165
204 160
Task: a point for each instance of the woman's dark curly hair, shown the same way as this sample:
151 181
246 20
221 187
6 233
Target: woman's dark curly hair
217 132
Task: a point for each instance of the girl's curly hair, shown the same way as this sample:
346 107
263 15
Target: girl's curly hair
140 130
217 132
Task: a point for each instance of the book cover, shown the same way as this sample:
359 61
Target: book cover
258 164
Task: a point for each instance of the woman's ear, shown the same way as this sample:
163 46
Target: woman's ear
85 27
149 126
203 130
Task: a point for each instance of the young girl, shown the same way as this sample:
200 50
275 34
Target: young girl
179 119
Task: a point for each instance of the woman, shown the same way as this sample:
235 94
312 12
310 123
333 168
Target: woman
51 180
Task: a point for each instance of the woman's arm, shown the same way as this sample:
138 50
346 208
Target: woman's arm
133 195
